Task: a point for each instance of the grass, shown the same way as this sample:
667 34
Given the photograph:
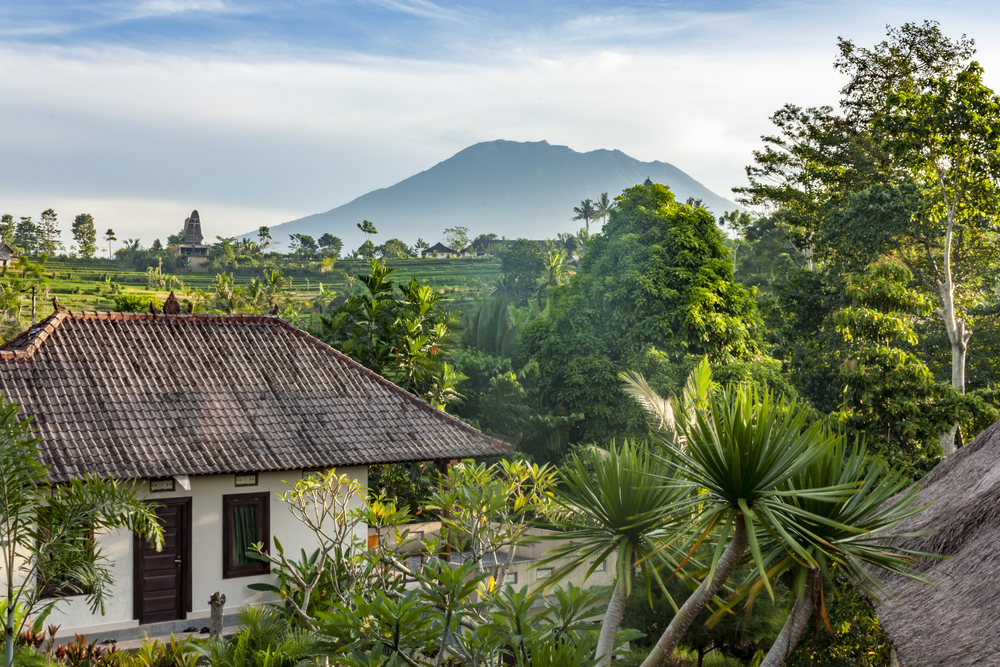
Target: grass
82 284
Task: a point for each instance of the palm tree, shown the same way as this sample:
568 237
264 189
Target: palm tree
604 206
490 329
109 236
622 512
586 212
736 448
853 535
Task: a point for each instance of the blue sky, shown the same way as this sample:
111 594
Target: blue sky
261 112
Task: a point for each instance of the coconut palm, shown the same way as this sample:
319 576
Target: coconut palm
854 535
738 448
604 206
621 511
585 212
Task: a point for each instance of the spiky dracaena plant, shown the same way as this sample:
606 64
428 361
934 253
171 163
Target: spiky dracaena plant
853 534
621 512
735 449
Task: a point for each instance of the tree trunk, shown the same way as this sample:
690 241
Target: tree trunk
700 598
957 334
795 625
612 621
8 635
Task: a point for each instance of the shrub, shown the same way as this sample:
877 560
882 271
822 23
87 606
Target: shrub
130 302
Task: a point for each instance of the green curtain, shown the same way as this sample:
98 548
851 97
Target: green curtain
245 532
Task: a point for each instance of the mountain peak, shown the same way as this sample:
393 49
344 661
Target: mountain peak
509 188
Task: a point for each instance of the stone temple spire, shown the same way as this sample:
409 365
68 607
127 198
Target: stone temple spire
192 230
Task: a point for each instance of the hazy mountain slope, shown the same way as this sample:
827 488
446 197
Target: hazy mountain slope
509 188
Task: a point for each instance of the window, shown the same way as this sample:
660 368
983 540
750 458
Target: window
246 520
543 572
599 567
510 578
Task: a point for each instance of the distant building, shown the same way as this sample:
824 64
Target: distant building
7 255
440 250
191 245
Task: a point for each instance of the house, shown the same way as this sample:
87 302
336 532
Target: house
439 250
7 255
210 415
191 246
953 622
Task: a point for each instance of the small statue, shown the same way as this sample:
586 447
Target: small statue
217 602
152 307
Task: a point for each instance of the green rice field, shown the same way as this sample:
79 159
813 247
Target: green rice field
82 284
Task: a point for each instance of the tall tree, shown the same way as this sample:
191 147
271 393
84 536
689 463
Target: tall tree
603 207
109 236
26 236
7 229
368 229
585 212
49 232
331 244
912 169
263 238
654 289
457 238
85 235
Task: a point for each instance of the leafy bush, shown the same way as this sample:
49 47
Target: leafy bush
130 302
264 639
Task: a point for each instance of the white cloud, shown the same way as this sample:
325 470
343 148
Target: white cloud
422 8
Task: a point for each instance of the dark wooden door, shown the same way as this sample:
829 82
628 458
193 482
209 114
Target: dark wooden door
162 586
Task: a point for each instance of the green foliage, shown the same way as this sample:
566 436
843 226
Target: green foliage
7 228
617 514
655 289
399 336
174 652
524 266
857 640
263 638
47 529
131 302
890 396
85 235
457 238
26 236
394 249
736 634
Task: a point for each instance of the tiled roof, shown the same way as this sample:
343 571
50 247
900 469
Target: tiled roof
141 395
440 247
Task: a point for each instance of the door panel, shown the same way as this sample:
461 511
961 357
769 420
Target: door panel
162 578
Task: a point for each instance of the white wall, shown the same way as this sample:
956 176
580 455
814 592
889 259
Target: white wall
206 550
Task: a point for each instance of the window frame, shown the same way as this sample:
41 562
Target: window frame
231 570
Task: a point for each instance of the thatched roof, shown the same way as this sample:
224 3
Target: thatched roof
957 621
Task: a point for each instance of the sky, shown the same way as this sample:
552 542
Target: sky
256 113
